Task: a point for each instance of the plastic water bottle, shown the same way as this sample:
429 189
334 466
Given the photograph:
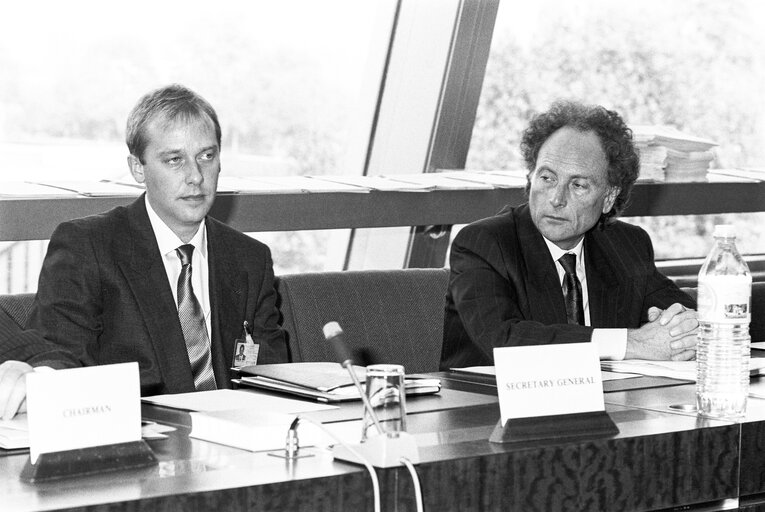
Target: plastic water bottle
724 303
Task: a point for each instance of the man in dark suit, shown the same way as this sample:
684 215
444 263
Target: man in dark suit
510 284
159 282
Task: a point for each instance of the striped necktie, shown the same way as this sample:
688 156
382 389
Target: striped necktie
193 325
572 290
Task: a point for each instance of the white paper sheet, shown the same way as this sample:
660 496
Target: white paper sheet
228 399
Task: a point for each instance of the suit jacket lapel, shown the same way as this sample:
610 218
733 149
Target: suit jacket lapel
227 286
604 289
546 303
142 265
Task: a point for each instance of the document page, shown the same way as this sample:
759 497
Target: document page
477 370
489 370
684 370
14 433
229 399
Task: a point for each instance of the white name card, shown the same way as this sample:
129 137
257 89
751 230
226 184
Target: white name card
546 380
83 407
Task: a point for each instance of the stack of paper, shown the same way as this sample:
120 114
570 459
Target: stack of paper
671 155
383 183
316 184
497 179
491 371
282 185
652 162
24 190
687 165
449 180
752 175
104 188
253 429
243 419
683 370
14 433
229 399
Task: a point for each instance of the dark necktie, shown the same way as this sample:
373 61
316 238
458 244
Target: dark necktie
193 325
572 290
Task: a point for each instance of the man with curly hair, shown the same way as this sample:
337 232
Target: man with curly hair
561 268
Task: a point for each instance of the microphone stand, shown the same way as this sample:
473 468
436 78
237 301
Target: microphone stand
381 451
347 364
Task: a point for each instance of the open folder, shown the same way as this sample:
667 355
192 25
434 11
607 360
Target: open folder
326 382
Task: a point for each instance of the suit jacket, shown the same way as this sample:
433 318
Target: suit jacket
19 344
104 297
504 289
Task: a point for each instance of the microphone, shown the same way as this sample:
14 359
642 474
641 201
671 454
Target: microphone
334 335
382 451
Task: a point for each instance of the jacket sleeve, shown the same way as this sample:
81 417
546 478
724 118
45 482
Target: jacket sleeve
265 321
660 291
26 345
66 310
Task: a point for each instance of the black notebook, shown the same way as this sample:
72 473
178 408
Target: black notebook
326 382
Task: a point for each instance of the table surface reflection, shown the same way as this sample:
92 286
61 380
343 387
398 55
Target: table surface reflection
660 458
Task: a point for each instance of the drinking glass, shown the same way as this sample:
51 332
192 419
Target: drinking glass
386 393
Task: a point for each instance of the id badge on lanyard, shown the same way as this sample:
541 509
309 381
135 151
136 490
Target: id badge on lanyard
245 350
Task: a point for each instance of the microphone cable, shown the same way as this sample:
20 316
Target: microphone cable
367 464
333 333
415 482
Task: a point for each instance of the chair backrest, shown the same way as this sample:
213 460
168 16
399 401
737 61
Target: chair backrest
18 306
387 316
391 316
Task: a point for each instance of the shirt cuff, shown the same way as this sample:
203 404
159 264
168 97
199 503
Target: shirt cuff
611 343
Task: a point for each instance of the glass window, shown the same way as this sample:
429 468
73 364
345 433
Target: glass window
306 251
689 236
285 78
696 65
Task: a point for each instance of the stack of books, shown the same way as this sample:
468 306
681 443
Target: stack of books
667 154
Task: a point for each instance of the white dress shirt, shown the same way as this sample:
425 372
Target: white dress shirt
168 242
611 343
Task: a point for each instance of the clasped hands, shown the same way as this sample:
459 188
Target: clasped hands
669 334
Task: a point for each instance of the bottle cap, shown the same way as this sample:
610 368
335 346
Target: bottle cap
725 231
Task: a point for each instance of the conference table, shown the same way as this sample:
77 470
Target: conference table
664 457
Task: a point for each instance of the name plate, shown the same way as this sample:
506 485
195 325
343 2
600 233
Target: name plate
83 407
548 380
